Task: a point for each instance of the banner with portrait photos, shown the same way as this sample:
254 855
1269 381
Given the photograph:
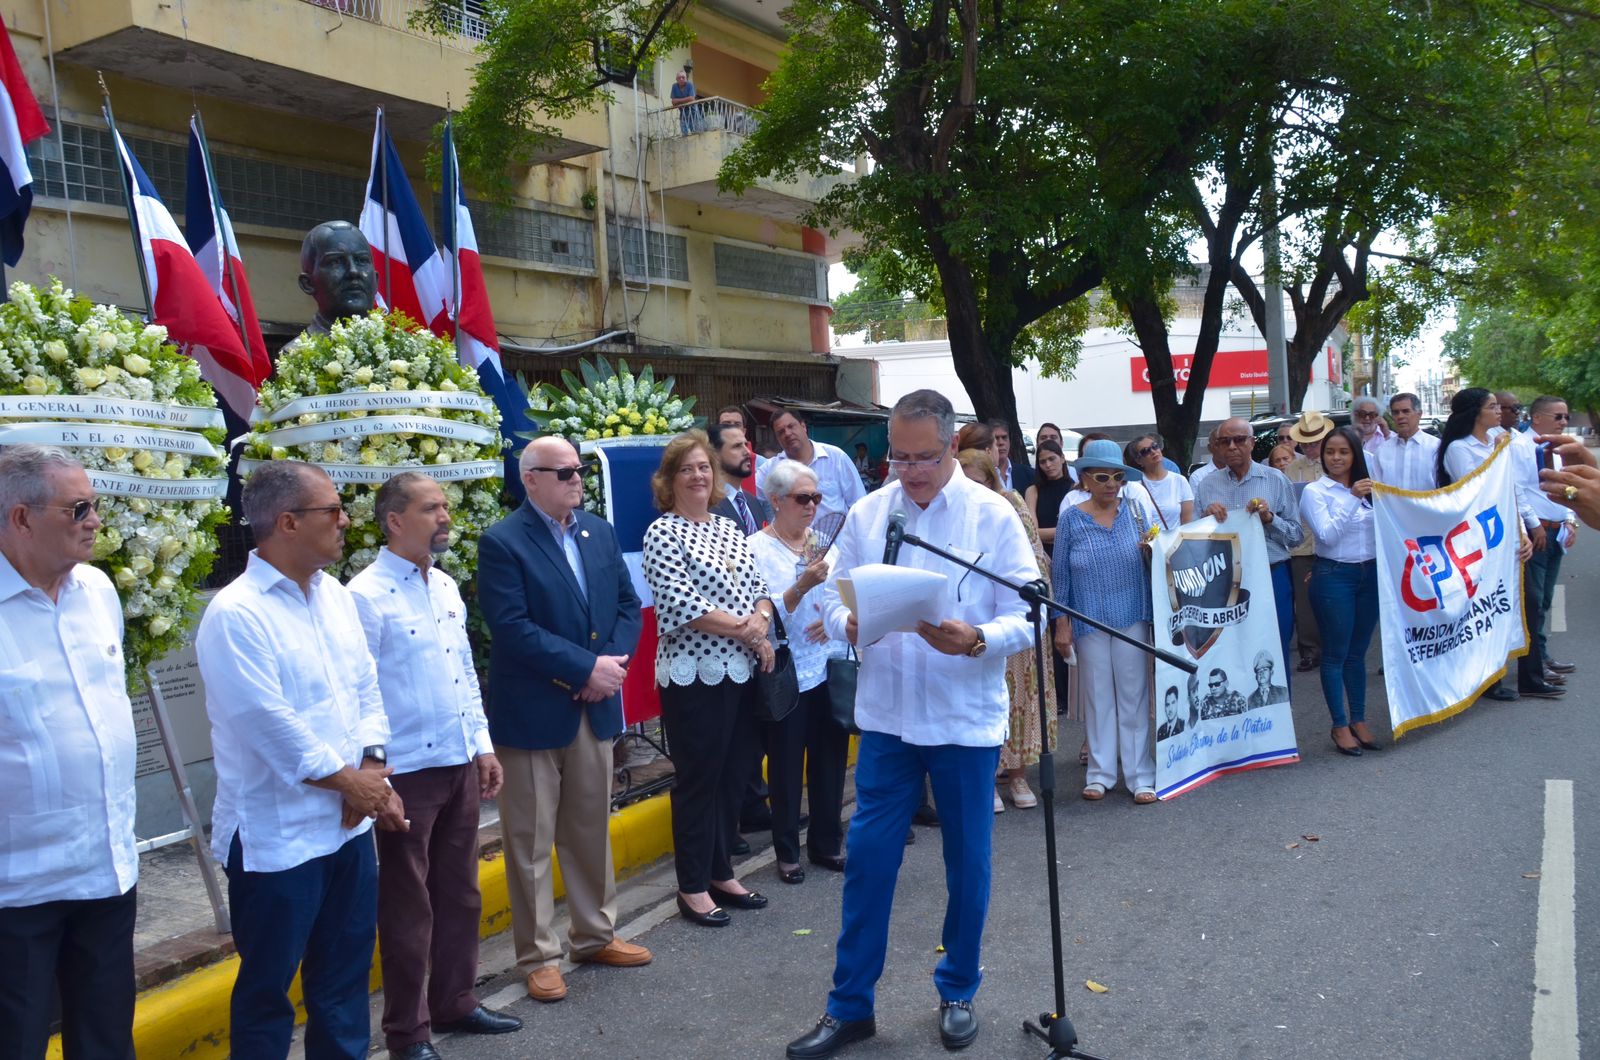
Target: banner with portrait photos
1449 590
1211 589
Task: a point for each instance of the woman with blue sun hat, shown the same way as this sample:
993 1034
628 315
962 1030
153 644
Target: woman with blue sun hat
1099 568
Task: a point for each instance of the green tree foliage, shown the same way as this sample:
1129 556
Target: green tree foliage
544 61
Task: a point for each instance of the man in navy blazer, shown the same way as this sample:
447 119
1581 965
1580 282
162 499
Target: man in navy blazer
565 620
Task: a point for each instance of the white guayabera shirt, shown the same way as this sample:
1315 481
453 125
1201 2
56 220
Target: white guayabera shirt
292 693
906 688
67 750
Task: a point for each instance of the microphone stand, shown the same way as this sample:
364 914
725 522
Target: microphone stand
1054 1027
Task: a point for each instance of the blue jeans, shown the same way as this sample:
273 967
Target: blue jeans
1344 597
889 775
1283 598
320 917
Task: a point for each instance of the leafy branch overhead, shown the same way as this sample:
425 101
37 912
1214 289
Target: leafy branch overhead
543 62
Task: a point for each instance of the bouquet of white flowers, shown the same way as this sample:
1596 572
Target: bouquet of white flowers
146 427
606 403
371 398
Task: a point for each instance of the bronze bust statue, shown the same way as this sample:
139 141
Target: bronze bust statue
336 270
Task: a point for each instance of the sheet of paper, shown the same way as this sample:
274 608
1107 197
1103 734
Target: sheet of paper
887 599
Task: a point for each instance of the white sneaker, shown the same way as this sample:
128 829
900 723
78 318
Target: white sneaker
999 804
1021 795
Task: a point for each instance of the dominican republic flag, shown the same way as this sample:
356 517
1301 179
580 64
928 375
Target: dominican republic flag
21 123
210 233
477 342
181 299
413 277
628 464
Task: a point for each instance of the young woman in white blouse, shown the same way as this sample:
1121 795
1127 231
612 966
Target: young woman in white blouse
712 615
1337 509
1169 493
790 561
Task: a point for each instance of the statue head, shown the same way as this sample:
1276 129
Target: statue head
336 270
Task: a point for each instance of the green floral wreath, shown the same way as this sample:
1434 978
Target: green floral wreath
135 411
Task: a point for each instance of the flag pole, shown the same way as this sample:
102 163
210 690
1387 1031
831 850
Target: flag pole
383 186
128 192
452 195
228 280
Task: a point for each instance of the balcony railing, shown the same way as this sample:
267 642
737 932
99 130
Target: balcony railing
710 114
467 18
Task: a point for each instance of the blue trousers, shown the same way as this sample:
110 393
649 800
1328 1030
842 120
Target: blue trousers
1345 599
1283 598
322 918
889 776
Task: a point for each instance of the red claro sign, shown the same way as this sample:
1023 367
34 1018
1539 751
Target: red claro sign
1229 368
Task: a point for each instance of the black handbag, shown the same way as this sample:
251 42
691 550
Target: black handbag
842 673
778 691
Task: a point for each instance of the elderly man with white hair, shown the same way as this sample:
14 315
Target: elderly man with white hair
68 864
565 622
795 569
1368 417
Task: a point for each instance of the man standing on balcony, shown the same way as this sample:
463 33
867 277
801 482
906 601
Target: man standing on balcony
836 472
683 99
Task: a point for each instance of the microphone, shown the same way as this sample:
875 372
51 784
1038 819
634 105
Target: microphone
893 535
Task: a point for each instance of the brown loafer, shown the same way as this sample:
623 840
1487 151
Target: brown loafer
545 984
618 954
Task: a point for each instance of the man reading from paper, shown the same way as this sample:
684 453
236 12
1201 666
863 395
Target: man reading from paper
930 703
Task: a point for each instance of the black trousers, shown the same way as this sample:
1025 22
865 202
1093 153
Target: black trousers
807 739
86 949
711 730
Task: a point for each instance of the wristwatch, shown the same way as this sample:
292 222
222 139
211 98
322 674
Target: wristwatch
977 650
376 753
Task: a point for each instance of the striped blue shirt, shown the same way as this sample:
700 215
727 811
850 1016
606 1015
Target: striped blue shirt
1100 570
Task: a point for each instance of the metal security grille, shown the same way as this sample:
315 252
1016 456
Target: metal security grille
764 270
527 233
669 254
256 191
1248 403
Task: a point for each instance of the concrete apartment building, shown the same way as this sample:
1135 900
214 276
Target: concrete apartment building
616 227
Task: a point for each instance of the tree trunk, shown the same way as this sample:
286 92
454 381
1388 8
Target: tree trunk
1177 421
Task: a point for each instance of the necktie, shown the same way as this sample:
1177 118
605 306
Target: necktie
743 509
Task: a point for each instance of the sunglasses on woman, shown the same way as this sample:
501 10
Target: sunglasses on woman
806 498
1149 449
1102 477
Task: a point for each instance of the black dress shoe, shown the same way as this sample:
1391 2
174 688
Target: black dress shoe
739 847
419 1051
715 918
1553 678
926 815
829 1036
1560 667
958 1024
1540 690
823 861
481 1021
794 875
747 900
756 822
911 836
1501 694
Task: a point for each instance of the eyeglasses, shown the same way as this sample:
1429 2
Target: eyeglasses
1510 408
1214 684
806 498
1102 477
563 473
321 508
80 511
1559 415
1367 414
1147 450
1236 439
921 463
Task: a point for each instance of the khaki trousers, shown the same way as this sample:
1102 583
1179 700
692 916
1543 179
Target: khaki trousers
559 798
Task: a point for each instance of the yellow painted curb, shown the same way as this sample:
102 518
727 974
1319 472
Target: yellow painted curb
188 1017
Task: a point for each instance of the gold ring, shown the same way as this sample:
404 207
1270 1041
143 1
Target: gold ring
1572 493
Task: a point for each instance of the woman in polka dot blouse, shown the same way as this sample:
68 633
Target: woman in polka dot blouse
713 610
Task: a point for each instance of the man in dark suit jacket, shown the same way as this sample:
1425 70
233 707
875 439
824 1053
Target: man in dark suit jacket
1014 474
565 619
750 510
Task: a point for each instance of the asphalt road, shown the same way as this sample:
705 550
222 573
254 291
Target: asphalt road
1408 929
